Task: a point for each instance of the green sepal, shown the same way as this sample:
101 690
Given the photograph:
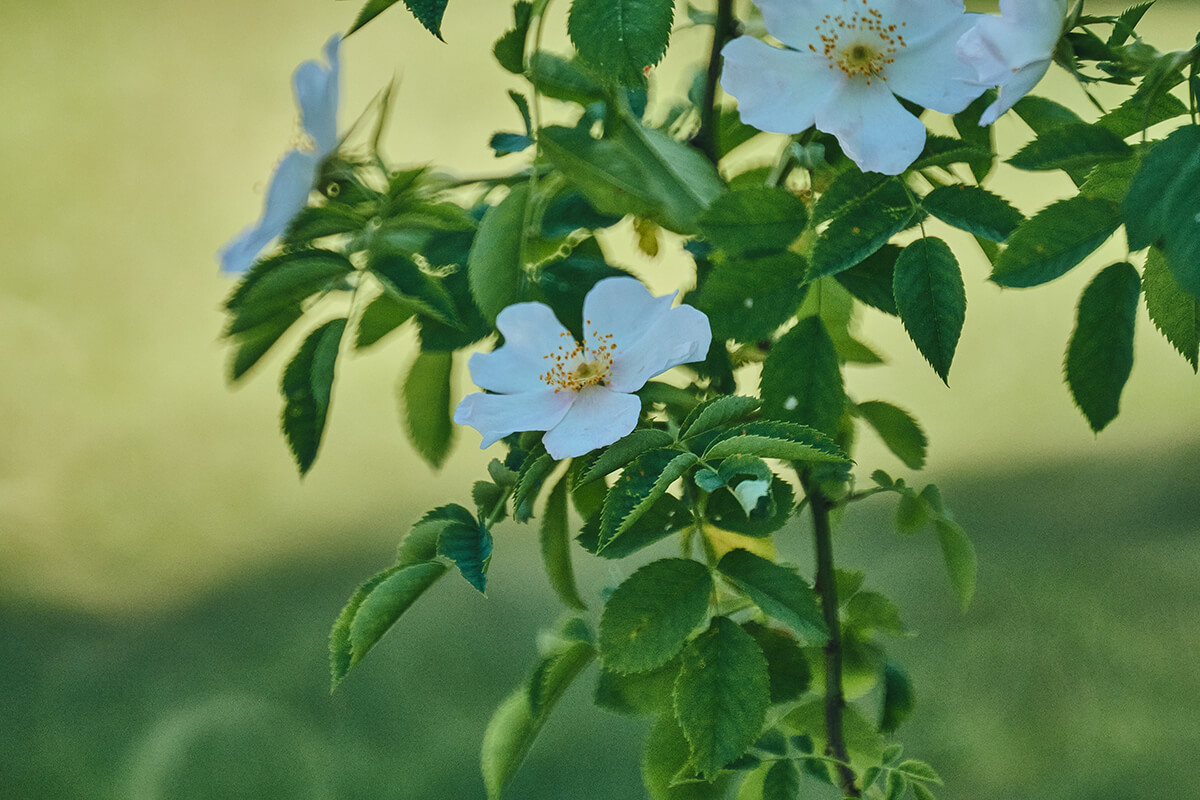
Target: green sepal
801 380
898 430
651 614
760 220
426 393
1173 311
974 210
644 480
555 537
931 299
1100 354
621 38
779 591
307 389
1055 240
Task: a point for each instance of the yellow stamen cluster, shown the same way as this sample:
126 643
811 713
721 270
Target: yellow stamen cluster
574 367
861 44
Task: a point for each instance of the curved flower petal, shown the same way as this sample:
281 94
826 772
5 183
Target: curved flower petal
791 21
876 132
598 417
777 90
286 196
531 333
930 73
316 88
680 336
1019 85
497 415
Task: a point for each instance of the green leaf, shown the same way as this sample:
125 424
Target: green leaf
404 281
1173 311
918 771
973 209
787 666
942 151
251 344
717 413
931 299
921 793
1071 147
759 220
642 482
382 315
895 786
782 781
667 756
307 388
862 229
556 547
773 439
494 265
1110 181
666 516
420 544
533 473
509 49
1124 26
1163 205
619 38
373 609
1056 239
1134 115
728 513
276 284
749 298
898 699
779 591
428 13
651 614
721 695
1042 115
871 280
846 191
899 431
426 393
959 555
966 123
565 651
801 379
637 693
563 79
1100 353
622 451
469 546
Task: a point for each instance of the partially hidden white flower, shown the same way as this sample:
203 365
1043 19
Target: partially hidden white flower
1014 50
847 62
316 90
580 393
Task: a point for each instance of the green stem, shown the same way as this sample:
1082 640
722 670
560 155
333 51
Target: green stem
835 698
707 138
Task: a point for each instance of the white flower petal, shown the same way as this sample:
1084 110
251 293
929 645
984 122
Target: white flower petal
1019 85
531 334
286 196
598 417
793 22
777 90
930 72
876 132
680 336
316 88
497 415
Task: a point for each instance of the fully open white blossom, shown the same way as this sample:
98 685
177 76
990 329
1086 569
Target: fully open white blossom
847 61
316 90
1014 50
580 393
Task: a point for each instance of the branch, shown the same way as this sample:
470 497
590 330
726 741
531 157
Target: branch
706 139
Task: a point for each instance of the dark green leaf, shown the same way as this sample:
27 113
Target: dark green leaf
666 516
899 431
931 299
651 614
1041 114
509 49
779 591
760 220
942 151
782 781
966 122
469 546
1164 206
1172 310
536 467
404 281
252 344
861 229
973 209
621 452
721 695
728 513
1134 115
642 482
749 298
1124 27
494 265
556 547
307 388
620 38
382 315
639 693
279 283
787 667
716 413
420 544
426 393
898 699
775 439
428 13
801 379
1056 239
667 757
1071 147
562 79
1100 354
1110 181
871 280
504 143
316 222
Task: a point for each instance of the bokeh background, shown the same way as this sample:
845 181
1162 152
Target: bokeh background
167 582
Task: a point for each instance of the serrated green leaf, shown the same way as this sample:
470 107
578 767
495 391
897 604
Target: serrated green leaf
667 755
1071 147
862 229
898 430
282 282
683 179
536 467
912 512
898 699
779 591
1124 26
620 38
721 695
404 281
489 499
760 220
428 13
382 315
782 781
1110 181
638 693
494 265
749 298
622 451
317 222
420 544
775 439
250 345
426 394
642 482
1041 114
942 151
1163 205
787 667
372 611
1134 115
650 615
666 516
959 555
509 49
895 786
469 546
973 209
981 137
564 79
801 379
931 299
919 771
1055 240
728 513
556 547
871 280
307 388
1173 311
846 191
1100 353
716 413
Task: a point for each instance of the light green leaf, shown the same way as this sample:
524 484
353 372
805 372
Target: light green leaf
763 219
556 547
1173 311
959 554
801 380
428 13
667 755
931 299
426 393
420 544
307 389
1100 353
861 229
642 482
621 452
772 439
637 693
620 38
919 771
779 591
1071 147
716 413
920 792
1056 239
899 431
721 695
494 265
973 209
651 614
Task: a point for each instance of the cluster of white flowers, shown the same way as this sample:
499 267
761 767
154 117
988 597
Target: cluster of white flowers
845 63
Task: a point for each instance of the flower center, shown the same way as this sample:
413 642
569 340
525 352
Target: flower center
575 366
859 44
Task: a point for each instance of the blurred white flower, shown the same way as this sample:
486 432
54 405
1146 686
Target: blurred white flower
847 62
316 89
1014 50
580 393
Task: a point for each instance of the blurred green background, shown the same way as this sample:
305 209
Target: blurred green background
166 581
